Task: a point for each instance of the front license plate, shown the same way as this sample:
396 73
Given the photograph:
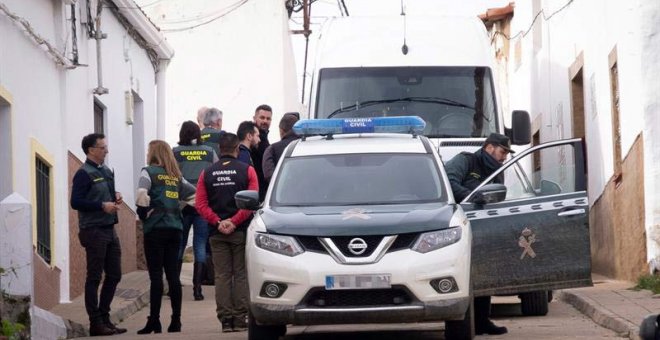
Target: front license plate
365 281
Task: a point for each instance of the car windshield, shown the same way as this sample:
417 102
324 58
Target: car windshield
454 101
358 179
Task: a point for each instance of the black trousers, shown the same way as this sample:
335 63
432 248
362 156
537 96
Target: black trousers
161 249
481 311
103 255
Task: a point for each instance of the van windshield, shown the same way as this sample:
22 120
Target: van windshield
358 179
454 101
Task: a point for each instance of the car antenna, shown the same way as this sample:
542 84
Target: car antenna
404 48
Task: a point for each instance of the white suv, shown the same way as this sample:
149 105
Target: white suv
358 228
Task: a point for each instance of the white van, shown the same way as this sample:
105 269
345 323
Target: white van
444 74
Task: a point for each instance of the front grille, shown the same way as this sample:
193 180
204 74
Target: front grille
319 297
402 241
311 243
342 243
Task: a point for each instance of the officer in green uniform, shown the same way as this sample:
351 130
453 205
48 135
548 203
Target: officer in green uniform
465 172
192 159
212 129
93 195
160 188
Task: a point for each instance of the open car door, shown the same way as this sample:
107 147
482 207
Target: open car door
531 233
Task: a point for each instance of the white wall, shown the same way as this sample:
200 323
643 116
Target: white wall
592 28
234 63
54 106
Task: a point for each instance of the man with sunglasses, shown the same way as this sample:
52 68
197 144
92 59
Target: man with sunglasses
93 195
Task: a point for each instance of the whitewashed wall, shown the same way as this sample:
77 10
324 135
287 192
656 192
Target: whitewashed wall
54 107
541 83
592 28
234 63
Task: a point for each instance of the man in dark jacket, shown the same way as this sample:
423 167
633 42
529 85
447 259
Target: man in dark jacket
274 152
248 134
216 188
466 171
93 195
263 116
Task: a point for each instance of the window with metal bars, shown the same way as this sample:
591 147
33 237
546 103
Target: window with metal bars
43 208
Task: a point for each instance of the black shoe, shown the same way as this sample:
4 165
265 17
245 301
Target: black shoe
175 325
153 325
227 325
490 329
240 323
106 321
100 329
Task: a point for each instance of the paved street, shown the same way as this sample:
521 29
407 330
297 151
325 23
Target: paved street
199 322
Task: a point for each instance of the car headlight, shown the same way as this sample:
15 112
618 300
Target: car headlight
285 245
437 239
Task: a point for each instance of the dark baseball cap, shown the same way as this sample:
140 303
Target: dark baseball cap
499 140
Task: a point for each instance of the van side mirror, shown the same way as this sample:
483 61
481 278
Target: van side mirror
489 193
521 128
247 199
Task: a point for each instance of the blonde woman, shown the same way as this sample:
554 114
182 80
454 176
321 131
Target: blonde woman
160 190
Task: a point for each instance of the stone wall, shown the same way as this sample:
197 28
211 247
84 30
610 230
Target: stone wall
618 235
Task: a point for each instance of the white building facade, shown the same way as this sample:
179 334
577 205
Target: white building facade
233 55
55 88
590 69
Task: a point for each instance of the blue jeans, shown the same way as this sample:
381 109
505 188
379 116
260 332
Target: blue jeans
200 235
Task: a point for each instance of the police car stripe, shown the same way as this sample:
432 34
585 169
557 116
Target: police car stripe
527 209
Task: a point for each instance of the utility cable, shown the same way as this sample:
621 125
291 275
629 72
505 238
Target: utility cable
55 54
541 12
237 6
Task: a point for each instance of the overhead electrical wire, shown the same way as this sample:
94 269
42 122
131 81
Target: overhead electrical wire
524 33
181 29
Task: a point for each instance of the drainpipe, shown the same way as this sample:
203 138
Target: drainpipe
161 94
99 36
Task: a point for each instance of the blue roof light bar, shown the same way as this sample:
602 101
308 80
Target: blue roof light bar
404 124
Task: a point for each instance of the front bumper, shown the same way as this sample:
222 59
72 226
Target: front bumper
273 314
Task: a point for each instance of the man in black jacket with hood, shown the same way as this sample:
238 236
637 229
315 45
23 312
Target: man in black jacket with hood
274 152
466 171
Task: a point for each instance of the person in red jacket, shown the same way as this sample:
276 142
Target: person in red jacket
216 188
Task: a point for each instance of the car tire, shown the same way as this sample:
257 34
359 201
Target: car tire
461 329
534 303
264 332
550 296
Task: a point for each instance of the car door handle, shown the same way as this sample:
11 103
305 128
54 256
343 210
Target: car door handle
572 212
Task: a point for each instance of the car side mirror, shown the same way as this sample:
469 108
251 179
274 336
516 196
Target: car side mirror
247 199
521 128
489 193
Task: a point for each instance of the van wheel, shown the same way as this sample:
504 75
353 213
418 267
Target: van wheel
534 303
461 329
264 332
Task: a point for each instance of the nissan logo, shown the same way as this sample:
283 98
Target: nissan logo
357 246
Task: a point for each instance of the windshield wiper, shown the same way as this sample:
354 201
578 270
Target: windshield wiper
435 100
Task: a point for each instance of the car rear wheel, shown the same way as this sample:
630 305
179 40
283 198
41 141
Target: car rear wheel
534 303
264 332
461 329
